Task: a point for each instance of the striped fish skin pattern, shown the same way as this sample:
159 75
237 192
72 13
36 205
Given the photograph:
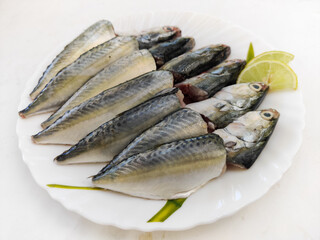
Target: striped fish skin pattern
231 102
149 38
170 171
209 83
246 137
94 35
70 79
84 118
164 52
110 138
182 124
124 69
193 63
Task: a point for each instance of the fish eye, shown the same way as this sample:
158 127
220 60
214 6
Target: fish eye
256 87
267 115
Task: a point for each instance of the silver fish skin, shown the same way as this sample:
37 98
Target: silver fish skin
110 138
70 79
122 70
84 118
209 83
230 103
193 63
170 171
164 52
182 124
151 37
94 35
246 137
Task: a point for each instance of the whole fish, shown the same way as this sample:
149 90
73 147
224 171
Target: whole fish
246 137
193 63
70 79
207 84
182 124
96 34
230 103
164 52
170 171
110 138
124 69
84 118
151 37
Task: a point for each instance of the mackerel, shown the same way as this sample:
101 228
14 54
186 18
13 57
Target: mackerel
151 37
110 138
84 118
193 63
164 52
230 103
122 70
96 34
70 79
182 124
246 137
209 83
170 171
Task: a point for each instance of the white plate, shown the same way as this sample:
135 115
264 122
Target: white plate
219 198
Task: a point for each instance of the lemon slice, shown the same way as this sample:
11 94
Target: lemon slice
276 74
281 56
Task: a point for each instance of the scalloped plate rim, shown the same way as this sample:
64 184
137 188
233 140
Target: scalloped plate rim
161 226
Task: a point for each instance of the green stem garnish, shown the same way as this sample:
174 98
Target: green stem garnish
250 54
167 210
74 187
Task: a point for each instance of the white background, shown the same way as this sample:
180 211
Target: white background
30 30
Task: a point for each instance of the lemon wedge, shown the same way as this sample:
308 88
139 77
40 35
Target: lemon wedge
280 56
278 75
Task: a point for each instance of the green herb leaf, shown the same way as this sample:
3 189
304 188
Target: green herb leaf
250 54
167 210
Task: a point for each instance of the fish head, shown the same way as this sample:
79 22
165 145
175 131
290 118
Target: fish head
243 96
245 138
172 29
271 116
223 50
190 42
233 66
254 126
153 36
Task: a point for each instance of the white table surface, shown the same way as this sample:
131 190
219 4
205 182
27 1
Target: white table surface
29 30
